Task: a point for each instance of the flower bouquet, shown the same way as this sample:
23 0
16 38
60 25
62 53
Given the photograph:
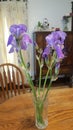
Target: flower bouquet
52 55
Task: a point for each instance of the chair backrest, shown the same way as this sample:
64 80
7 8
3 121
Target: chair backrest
11 80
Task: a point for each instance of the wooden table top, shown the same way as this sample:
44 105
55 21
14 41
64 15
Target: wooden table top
17 113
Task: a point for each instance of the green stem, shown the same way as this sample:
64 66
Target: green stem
40 78
39 106
45 80
27 75
49 71
48 88
40 75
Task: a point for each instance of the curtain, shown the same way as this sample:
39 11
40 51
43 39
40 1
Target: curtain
11 12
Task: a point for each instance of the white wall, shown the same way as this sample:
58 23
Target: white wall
53 10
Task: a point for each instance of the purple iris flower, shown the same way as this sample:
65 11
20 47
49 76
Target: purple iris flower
55 40
57 66
59 52
46 52
18 39
18 29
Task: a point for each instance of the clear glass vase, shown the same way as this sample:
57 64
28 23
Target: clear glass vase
41 113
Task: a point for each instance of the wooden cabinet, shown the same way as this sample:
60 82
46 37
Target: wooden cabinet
67 63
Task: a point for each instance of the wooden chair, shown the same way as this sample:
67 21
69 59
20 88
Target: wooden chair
11 81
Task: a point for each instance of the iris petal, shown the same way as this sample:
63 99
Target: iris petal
56 40
59 52
26 38
46 52
11 50
10 40
23 45
18 39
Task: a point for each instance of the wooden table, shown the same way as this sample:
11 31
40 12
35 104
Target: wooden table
17 113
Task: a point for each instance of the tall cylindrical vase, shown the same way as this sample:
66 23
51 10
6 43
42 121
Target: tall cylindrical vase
41 113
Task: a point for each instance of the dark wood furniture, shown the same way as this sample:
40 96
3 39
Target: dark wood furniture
66 65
